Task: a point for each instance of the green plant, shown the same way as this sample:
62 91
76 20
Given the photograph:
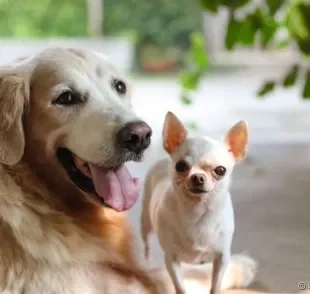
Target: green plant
160 24
195 65
163 23
261 25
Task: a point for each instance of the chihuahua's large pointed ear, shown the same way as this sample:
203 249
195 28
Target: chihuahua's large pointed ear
237 140
174 132
13 96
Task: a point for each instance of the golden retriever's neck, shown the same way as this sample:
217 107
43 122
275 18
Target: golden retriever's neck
43 232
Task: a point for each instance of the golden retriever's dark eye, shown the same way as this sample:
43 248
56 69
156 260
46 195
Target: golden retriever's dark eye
181 166
120 87
220 171
66 99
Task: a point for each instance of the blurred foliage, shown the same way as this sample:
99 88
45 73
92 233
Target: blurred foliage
195 64
43 18
261 25
162 23
156 24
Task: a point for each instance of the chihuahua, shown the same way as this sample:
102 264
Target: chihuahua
187 201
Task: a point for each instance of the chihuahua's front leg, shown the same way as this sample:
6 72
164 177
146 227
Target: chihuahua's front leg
174 269
220 263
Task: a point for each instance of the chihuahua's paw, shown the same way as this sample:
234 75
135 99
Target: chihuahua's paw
240 272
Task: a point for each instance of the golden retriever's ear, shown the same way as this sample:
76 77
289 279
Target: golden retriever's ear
13 96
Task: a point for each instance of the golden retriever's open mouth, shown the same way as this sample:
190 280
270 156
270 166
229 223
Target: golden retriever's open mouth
112 187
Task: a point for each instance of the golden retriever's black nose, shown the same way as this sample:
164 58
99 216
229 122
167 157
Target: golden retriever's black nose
135 136
198 180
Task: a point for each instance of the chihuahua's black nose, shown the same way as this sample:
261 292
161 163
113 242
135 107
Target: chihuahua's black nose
198 180
135 136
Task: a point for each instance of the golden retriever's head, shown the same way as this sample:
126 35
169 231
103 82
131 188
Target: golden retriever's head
67 114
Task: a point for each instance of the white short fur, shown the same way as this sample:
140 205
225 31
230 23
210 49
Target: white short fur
189 230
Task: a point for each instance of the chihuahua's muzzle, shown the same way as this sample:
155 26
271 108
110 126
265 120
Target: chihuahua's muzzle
197 183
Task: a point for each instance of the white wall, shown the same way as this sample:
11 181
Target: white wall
119 50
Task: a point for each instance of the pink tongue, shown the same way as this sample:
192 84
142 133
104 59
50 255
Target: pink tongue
117 187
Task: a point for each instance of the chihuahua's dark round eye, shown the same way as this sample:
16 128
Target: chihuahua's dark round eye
181 166
220 171
66 98
119 86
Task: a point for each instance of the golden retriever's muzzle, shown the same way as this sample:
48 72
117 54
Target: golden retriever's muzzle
134 137
111 185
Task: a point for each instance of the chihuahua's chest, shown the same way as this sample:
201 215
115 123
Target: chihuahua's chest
198 241
193 234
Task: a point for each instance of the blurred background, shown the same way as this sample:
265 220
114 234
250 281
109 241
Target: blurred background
207 60
212 62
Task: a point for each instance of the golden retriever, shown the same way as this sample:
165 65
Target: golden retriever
66 129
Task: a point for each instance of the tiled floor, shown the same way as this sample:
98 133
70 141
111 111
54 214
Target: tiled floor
271 195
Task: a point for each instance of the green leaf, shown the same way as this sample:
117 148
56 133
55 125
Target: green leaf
274 5
306 90
305 11
186 99
233 30
266 88
267 33
296 23
189 80
304 46
265 24
198 51
291 77
196 62
283 44
193 125
269 27
212 5
246 33
234 4
257 19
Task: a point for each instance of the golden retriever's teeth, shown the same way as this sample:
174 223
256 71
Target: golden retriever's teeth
82 166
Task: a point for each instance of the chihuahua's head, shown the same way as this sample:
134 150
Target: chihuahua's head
202 166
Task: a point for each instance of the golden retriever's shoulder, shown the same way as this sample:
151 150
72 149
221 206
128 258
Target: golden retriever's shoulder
42 232
41 244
